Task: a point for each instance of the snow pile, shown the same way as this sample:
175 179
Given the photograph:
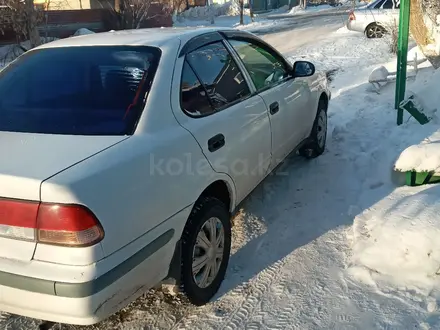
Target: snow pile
82 32
396 245
299 10
424 156
380 73
3 53
9 53
206 12
426 89
396 242
260 23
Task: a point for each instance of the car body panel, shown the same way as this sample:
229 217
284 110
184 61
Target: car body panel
288 125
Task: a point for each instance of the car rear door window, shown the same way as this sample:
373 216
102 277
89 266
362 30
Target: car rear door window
265 68
219 75
193 97
379 4
388 4
94 90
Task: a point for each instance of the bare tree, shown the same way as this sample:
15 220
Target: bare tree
303 4
241 4
130 14
251 10
22 18
32 23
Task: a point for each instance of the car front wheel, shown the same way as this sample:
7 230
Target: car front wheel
318 138
206 246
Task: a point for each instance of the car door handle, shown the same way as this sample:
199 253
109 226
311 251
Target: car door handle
274 108
216 142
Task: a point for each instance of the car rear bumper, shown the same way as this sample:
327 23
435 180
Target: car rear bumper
355 26
47 307
88 302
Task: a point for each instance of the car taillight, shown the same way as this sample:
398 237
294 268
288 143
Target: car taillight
55 224
351 16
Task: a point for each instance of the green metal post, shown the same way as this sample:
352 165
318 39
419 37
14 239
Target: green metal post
402 54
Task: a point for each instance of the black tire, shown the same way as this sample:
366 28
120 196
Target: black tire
203 211
315 147
375 31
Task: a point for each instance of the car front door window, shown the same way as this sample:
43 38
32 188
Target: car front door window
219 75
264 67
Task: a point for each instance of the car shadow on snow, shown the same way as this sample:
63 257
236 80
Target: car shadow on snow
303 200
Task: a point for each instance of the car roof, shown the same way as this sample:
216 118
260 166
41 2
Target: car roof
155 37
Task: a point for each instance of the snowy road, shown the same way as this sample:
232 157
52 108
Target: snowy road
293 32
292 238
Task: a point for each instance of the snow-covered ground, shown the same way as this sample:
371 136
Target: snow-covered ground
227 15
298 10
331 243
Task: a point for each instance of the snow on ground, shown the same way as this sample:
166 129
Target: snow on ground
227 15
299 10
331 243
231 21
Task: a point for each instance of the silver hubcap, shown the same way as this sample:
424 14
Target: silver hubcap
375 32
208 252
322 128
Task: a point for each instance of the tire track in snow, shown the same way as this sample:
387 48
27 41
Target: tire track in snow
250 302
284 319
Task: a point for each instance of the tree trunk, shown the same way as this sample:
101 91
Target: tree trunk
118 6
251 10
32 28
211 11
241 12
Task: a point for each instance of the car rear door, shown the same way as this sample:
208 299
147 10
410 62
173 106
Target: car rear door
212 99
286 98
386 12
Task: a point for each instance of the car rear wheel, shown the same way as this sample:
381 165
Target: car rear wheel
318 138
375 31
206 245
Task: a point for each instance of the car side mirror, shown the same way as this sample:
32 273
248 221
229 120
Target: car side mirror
303 69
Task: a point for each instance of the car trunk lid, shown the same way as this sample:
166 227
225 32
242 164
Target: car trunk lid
28 160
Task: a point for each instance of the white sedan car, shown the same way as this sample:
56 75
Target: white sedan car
125 155
376 18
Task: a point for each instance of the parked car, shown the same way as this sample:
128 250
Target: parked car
125 154
375 19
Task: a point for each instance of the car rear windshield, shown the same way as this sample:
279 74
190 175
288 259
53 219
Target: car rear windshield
95 90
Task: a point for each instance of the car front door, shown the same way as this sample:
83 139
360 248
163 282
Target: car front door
231 124
285 97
